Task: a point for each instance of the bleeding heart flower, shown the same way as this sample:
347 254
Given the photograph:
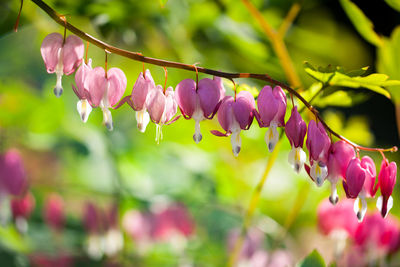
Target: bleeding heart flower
234 116
340 154
386 180
359 183
61 57
12 173
199 103
271 113
162 107
139 98
295 130
81 90
338 218
53 212
318 144
21 208
106 90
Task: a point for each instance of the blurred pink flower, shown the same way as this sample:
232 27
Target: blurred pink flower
53 212
12 173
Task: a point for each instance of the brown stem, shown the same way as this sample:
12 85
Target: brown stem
171 64
18 17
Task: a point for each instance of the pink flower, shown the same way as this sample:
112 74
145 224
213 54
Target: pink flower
21 208
377 235
199 103
139 98
234 116
251 243
12 173
172 220
106 90
54 212
162 107
340 154
91 218
82 90
387 181
61 57
271 113
318 144
137 225
332 220
295 130
359 183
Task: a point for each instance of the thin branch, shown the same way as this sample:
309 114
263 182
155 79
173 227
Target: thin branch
290 17
278 45
171 64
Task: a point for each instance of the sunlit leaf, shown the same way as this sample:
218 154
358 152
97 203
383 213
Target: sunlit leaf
375 82
395 4
363 25
314 259
163 2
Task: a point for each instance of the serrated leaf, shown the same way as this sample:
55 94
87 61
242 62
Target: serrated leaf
395 4
314 259
363 25
374 82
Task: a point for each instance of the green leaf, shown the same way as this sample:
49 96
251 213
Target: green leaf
395 4
314 259
363 25
388 61
245 87
163 2
336 77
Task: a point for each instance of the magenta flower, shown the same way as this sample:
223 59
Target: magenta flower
139 98
295 130
106 90
21 208
199 103
161 107
337 221
81 90
340 154
234 116
318 144
12 173
271 113
53 212
61 57
359 183
386 180
378 236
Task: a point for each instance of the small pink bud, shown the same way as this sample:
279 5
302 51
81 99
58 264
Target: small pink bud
12 173
340 154
106 91
61 58
387 180
54 212
234 116
200 103
91 218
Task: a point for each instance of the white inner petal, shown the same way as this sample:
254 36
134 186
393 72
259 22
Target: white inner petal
107 119
59 73
296 158
271 136
142 119
236 142
198 116
159 135
318 172
333 198
360 208
84 109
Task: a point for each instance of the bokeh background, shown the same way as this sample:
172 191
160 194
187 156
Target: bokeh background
209 188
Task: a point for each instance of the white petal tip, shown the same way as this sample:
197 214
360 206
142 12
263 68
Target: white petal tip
197 138
58 91
333 199
236 151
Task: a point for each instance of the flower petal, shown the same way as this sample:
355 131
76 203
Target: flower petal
73 51
49 49
186 96
117 79
209 96
97 84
